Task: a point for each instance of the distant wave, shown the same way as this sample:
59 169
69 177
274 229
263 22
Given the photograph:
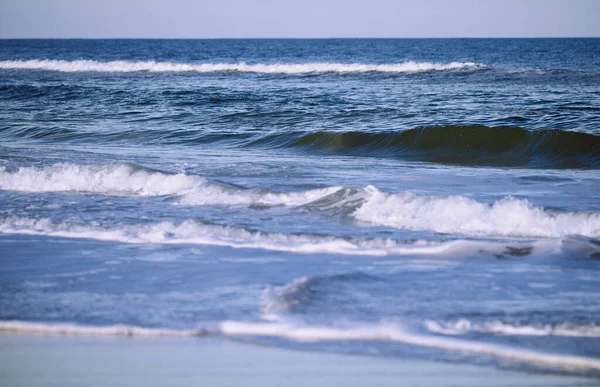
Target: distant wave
307 333
404 210
462 145
279 68
463 326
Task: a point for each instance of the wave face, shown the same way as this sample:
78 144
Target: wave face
462 145
280 68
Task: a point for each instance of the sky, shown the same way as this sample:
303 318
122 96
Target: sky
297 18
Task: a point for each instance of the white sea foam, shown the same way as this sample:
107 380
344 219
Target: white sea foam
192 232
460 215
85 330
463 326
126 179
508 217
395 333
279 68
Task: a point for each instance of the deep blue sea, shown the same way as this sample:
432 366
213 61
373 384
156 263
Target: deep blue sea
431 199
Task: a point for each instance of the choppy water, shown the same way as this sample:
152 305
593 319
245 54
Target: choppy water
435 199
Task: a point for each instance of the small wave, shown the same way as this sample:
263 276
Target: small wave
463 326
279 68
395 333
460 145
299 293
507 217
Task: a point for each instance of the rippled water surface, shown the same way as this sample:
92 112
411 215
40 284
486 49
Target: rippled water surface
435 199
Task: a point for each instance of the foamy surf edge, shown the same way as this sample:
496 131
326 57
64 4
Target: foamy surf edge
120 66
395 333
67 329
379 332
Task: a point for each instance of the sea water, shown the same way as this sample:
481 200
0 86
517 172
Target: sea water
432 199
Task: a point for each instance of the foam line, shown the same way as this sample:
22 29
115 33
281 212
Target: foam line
85 330
279 68
193 232
390 332
463 326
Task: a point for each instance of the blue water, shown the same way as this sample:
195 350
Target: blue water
433 199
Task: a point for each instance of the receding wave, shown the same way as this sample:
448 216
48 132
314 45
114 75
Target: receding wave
376 332
462 145
277 68
395 333
464 326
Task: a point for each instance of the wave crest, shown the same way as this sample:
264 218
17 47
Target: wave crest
278 68
461 215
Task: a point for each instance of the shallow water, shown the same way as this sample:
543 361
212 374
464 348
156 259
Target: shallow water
432 199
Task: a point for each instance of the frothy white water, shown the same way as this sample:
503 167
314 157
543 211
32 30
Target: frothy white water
192 232
463 326
280 68
126 179
395 333
85 330
461 215
117 179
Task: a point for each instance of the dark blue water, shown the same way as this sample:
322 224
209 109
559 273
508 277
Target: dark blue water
434 199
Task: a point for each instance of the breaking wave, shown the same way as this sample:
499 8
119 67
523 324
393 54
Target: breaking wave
508 217
129 179
279 68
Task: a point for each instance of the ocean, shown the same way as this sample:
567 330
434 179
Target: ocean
431 199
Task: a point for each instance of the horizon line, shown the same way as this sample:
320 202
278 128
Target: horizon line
301 38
